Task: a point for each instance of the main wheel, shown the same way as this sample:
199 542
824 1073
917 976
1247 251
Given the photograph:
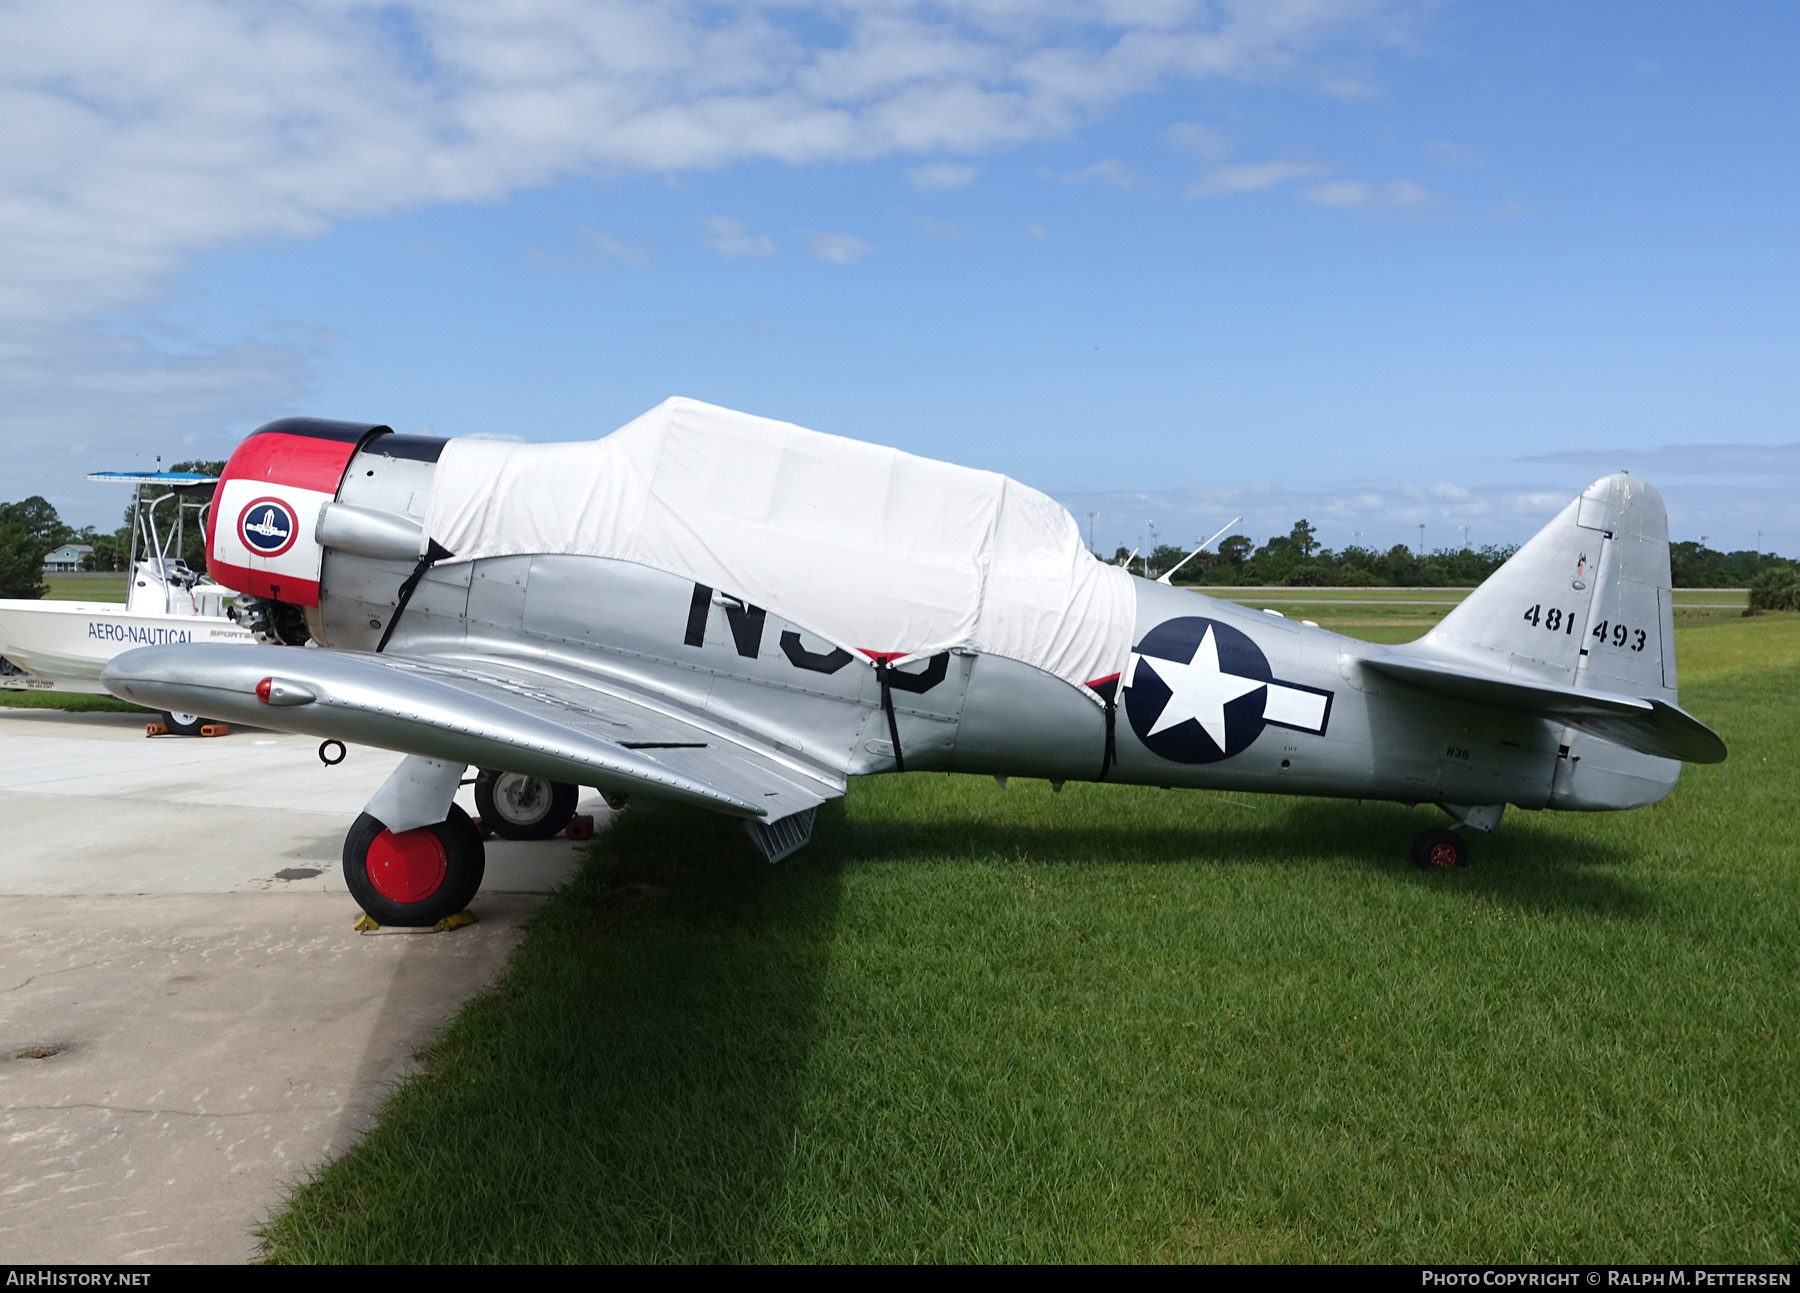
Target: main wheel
183 724
517 807
1439 849
416 877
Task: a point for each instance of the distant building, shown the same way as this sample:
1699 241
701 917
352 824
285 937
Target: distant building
67 558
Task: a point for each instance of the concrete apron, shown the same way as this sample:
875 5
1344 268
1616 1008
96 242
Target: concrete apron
188 1023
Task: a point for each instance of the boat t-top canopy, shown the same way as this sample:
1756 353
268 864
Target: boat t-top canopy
160 551
172 478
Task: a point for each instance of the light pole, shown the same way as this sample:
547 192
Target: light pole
1092 517
1465 530
1421 538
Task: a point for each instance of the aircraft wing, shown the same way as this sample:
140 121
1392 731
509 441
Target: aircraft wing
488 712
1650 726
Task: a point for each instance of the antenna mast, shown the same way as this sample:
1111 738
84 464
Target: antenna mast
1197 551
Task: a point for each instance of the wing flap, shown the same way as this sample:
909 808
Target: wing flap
463 714
755 771
1650 726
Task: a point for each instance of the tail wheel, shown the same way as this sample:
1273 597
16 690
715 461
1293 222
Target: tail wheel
517 807
183 724
414 877
1440 849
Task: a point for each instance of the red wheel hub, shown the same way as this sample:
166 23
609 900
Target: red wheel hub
407 867
1443 856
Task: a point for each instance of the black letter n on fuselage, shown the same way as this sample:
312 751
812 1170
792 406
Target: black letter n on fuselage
746 622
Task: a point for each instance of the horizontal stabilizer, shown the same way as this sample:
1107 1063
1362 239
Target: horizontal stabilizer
412 707
1649 726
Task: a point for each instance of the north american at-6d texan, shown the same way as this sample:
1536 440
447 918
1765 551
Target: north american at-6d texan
740 614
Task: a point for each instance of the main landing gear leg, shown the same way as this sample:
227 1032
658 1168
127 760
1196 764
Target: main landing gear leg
1443 847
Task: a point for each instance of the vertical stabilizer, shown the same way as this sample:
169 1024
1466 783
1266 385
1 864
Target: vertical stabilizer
1585 603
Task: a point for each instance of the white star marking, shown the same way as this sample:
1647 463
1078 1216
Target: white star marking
1198 689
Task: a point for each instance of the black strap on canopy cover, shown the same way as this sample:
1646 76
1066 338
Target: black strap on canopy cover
434 554
884 672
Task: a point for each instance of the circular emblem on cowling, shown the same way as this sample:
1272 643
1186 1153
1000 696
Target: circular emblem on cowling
1197 691
268 527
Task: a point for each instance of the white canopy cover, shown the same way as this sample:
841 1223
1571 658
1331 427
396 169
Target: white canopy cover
874 550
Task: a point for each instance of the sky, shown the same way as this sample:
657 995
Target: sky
1380 265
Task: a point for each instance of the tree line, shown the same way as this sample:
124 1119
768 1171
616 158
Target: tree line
1297 559
31 529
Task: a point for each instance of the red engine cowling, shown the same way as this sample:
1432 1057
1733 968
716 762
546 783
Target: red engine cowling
260 535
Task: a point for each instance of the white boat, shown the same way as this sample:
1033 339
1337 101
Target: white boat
62 646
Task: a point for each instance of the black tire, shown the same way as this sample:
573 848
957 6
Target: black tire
184 724
517 807
397 885
1440 849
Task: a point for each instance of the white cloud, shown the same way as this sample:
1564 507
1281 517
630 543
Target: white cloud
82 401
623 252
1730 514
140 133
839 248
1404 193
938 228
1359 193
1747 461
1341 193
729 236
1200 140
1037 231
1253 177
1446 153
143 131
942 175
1111 172
1350 87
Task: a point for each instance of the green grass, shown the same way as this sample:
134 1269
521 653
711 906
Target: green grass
74 702
1116 1023
85 588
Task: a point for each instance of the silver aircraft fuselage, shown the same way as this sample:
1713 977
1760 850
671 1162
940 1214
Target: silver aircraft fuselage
1342 729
